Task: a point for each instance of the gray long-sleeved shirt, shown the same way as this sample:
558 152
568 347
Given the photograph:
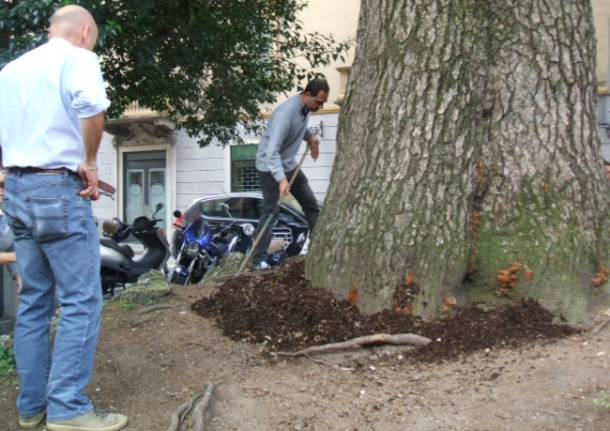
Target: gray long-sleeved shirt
282 138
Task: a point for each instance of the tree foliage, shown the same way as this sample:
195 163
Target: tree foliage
207 64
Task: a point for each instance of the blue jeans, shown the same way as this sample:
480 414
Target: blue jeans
57 247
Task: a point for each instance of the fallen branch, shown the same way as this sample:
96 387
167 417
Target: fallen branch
361 342
201 407
155 308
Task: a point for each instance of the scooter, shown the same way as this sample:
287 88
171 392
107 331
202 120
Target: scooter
119 264
199 249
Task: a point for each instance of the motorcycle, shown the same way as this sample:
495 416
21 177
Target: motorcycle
119 264
199 249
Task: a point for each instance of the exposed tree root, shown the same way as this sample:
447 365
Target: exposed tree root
175 419
201 407
360 342
198 405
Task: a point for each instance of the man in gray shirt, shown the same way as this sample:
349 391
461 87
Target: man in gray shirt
275 159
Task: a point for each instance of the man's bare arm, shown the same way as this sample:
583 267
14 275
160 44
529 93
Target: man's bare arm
92 129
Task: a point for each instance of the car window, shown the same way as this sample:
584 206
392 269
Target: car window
291 202
239 207
213 208
251 208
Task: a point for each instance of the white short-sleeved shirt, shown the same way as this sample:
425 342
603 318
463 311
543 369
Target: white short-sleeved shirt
44 94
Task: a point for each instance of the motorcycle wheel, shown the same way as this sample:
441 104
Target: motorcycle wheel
178 278
196 277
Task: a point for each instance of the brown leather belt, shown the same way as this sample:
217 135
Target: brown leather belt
101 185
34 170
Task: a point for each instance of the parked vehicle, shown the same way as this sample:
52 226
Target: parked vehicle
119 263
199 248
245 207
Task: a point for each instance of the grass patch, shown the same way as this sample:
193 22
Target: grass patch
7 361
127 306
602 400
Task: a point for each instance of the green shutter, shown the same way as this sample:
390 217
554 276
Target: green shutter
243 152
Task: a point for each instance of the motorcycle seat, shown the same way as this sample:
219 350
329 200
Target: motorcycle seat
121 248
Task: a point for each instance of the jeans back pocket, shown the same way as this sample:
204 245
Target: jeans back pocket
49 218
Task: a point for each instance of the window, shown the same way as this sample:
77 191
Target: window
244 176
344 74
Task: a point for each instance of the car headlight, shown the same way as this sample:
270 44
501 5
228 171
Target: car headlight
247 229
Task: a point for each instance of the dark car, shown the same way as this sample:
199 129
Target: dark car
245 207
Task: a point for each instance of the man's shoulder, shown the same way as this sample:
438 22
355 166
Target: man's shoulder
288 106
42 53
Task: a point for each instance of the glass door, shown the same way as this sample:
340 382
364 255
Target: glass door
144 184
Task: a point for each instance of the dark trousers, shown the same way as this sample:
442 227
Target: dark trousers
302 193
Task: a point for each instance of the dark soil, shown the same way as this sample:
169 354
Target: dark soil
282 310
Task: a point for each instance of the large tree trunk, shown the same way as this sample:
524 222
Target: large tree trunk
468 166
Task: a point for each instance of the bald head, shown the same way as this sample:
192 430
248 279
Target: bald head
76 25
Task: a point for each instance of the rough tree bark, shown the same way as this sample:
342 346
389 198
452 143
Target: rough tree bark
468 165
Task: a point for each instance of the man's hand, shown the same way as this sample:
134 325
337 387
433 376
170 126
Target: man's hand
88 174
92 128
314 146
284 188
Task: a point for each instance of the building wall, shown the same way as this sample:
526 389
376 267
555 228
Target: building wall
340 19
199 171
105 207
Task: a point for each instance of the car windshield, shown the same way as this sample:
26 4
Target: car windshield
240 207
243 208
291 202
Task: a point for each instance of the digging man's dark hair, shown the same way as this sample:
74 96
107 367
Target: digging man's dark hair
315 86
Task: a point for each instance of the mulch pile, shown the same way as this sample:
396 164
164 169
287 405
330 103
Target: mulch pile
282 310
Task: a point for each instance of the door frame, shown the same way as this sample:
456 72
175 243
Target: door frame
170 176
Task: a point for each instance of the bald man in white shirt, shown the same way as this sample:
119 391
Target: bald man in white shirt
51 124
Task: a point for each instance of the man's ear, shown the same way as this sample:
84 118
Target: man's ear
85 34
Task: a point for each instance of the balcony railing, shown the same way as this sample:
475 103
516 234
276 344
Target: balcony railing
134 110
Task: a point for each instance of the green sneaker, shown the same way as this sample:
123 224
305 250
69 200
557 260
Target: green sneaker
90 422
32 422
